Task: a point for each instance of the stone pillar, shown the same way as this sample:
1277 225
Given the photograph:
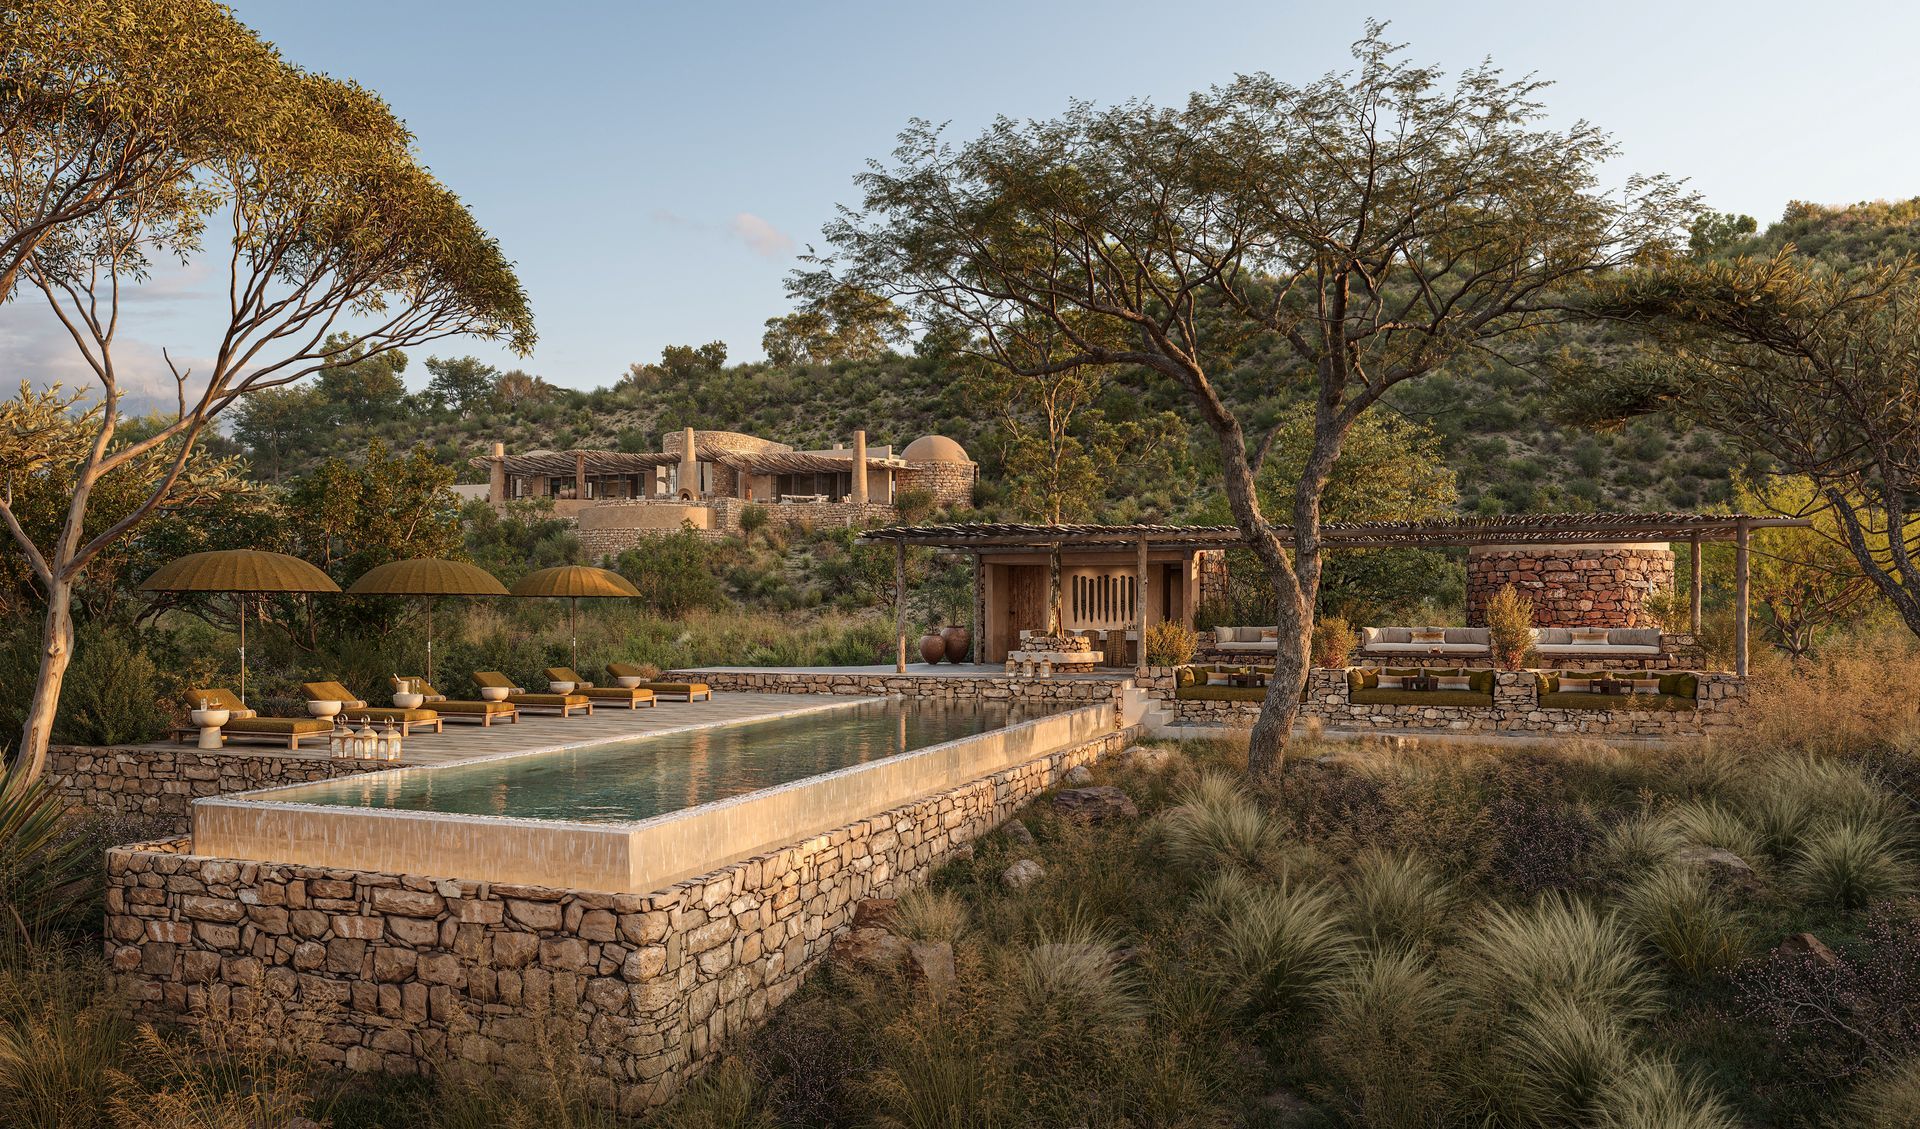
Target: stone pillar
860 468
1591 585
689 465
497 476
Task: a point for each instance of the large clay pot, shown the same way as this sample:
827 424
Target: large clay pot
932 648
958 640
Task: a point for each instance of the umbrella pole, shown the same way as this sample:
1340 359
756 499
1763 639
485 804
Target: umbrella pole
429 640
243 649
573 632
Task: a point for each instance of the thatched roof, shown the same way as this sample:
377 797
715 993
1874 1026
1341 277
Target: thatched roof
801 462
1514 529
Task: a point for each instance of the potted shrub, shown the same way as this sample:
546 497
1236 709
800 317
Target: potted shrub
1332 641
1510 628
1169 643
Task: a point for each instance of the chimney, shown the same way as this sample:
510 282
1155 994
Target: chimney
689 465
860 468
497 476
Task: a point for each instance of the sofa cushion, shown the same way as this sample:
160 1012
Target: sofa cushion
1377 635
1594 649
1634 637
1591 636
1429 648
1552 636
1434 635
1478 635
1681 684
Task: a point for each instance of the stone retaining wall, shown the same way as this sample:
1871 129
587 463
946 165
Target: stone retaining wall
1515 709
158 783
929 687
373 971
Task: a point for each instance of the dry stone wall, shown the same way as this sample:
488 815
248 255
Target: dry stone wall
401 973
156 784
1514 710
1601 586
926 687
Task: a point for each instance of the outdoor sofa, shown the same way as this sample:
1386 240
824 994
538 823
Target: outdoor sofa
1596 642
246 725
1246 640
1658 690
1209 683
562 704
630 697
407 720
685 691
486 713
1376 687
1450 641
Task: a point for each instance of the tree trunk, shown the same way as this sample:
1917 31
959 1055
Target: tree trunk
56 651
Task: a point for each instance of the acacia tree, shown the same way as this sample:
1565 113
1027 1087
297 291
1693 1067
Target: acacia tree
1815 368
1375 224
338 246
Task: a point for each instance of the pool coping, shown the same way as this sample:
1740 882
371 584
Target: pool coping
589 846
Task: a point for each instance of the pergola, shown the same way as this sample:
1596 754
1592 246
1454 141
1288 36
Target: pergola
1517 529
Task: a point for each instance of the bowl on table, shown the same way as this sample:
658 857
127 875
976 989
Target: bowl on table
493 693
210 719
628 681
406 700
323 708
560 687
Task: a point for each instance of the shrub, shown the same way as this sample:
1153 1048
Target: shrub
753 519
1710 824
1686 921
1332 641
1071 980
1651 1094
1216 826
1640 842
726 1097
1510 628
1170 643
926 916
1838 1018
1557 1061
48 871
112 692
675 573
1557 948
1849 866
63 1034
1398 899
913 505
1888 1099
1279 949
1384 1039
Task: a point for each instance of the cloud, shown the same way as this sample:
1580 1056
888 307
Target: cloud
761 237
36 349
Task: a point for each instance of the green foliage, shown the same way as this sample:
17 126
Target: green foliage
927 915
1399 901
1694 929
1216 828
1278 950
112 691
844 324
48 872
64 1038
674 574
1333 640
1849 866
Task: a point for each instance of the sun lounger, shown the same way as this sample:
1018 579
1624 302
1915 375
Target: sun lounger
562 704
407 720
685 691
246 725
486 713
629 697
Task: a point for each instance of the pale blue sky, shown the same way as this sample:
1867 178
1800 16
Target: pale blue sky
653 168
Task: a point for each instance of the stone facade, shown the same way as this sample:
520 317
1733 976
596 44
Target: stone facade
724 521
402 973
1515 710
951 484
1571 586
156 784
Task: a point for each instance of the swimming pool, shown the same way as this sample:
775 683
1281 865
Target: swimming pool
652 775
639 815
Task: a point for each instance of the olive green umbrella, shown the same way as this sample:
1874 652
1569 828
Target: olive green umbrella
575 582
427 577
239 571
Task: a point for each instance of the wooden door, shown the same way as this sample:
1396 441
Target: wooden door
1026 601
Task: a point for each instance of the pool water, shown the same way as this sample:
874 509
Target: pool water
648 776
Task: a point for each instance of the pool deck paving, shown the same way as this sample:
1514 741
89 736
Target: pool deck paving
538 732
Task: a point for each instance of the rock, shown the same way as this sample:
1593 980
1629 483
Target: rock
1022 874
932 963
876 912
1078 774
1096 804
1148 760
870 946
1809 948
1017 833
1719 863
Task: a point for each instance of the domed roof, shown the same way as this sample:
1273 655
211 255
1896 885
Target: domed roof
935 449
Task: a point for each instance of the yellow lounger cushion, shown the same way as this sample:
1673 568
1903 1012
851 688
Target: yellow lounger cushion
474 708
381 713
219 698
555 700
279 726
676 687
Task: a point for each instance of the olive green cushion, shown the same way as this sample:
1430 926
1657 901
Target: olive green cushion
1221 693
1680 684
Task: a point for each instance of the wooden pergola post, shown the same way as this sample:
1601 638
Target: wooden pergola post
580 476
1694 582
979 610
1056 617
900 606
1740 597
1140 609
